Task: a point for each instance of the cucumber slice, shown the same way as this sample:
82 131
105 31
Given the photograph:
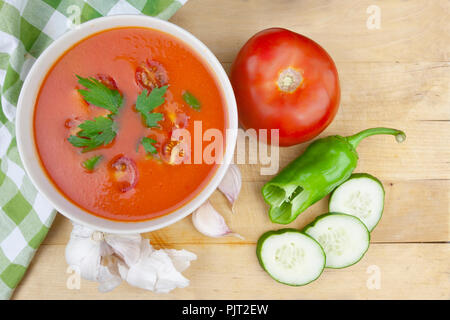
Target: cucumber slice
344 238
290 256
362 196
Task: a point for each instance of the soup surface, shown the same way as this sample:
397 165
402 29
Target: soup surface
138 170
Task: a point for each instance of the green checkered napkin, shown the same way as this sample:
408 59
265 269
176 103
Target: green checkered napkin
27 27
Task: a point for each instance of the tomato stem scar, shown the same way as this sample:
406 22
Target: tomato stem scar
289 80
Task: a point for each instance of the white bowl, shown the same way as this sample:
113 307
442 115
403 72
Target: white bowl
25 113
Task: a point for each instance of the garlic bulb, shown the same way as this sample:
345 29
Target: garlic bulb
85 251
231 184
210 223
110 258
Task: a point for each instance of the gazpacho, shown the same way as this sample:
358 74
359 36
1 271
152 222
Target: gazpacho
105 117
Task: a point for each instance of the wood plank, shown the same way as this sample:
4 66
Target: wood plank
415 211
407 271
410 30
387 91
397 76
424 154
393 90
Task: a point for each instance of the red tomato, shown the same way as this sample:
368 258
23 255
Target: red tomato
283 80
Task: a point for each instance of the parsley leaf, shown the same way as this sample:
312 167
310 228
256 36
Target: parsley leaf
191 100
100 95
151 119
94 133
90 163
148 145
145 104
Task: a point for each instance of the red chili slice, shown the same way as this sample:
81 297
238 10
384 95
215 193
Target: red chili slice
151 75
71 123
124 172
107 81
175 152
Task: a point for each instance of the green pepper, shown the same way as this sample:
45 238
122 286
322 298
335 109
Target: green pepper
324 165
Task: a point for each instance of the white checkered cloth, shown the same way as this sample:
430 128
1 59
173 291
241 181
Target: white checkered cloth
27 27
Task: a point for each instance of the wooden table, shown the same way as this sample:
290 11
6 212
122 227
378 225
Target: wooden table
396 76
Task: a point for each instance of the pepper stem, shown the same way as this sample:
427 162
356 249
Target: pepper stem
355 139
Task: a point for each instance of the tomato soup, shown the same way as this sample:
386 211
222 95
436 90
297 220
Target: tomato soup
105 117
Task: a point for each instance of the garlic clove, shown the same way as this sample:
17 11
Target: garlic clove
146 248
122 269
108 275
155 270
80 231
142 274
108 278
127 247
77 248
168 276
231 184
90 264
181 259
210 223
107 281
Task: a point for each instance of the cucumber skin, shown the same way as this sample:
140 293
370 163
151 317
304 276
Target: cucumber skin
363 175
312 224
281 231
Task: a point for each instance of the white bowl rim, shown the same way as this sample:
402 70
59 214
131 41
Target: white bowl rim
25 114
